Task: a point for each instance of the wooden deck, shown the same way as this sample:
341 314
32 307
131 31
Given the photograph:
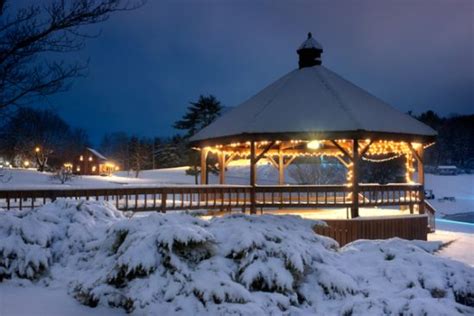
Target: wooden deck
345 231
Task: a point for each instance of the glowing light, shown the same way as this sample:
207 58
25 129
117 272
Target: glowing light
26 163
314 144
90 158
37 149
94 168
81 158
78 169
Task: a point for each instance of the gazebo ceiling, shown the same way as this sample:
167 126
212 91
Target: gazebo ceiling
313 103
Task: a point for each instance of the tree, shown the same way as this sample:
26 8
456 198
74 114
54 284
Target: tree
140 154
316 171
39 135
171 152
455 141
199 115
116 147
34 36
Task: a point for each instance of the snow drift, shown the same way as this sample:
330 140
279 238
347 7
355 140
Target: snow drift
239 264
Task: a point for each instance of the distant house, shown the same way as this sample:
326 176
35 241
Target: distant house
91 162
447 170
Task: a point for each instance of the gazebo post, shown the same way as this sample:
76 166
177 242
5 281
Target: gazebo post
355 179
253 178
421 179
204 153
418 154
281 167
222 167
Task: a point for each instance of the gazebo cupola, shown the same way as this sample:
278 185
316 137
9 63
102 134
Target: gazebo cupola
309 52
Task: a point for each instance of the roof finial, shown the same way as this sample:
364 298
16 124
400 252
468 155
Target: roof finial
309 52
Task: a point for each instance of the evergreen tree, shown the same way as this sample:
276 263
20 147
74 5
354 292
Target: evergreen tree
199 114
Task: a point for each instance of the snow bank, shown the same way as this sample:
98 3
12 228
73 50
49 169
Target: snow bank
236 264
31 241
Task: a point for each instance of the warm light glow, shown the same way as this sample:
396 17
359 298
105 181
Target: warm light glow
314 144
68 165
78 169
26 163
90 158
37 149
94 168
81 158
117 168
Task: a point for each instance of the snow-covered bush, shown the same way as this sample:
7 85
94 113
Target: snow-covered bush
176 257
241 264
31 241
164 264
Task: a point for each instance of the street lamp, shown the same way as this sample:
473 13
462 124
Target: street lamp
37 149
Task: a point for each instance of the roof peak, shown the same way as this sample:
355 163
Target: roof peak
309 52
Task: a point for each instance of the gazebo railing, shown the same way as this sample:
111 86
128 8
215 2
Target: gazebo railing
281 196
390 194
222 196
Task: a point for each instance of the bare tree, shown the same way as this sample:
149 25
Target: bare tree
62 175
314 171
140 154
32 37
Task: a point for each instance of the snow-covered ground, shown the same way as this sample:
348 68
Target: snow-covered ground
177 264
55 300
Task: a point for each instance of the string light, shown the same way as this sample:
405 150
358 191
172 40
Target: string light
382 159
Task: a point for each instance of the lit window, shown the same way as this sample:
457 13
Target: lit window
90 158
81 158
78 169
94 168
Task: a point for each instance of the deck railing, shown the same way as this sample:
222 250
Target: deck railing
222 196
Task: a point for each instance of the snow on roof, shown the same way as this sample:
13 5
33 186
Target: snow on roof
447 167
96 153
310 43
311 100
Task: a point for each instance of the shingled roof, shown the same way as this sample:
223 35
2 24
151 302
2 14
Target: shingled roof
314 100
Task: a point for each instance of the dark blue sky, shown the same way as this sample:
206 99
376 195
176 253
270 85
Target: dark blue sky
148 64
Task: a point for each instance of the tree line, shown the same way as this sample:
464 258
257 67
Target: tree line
42 137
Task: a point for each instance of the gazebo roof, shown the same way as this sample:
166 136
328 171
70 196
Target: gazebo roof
314 101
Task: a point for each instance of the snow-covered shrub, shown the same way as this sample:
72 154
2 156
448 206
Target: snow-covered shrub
157 248
31 241
163 264
176 263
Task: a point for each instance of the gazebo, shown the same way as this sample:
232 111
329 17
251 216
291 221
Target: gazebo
312 111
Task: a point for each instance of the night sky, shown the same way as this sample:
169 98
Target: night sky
148 64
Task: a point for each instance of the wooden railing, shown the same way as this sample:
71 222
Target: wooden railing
222 196
390 194
138 198
430 212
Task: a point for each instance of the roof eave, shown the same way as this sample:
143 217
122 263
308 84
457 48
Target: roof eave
358 134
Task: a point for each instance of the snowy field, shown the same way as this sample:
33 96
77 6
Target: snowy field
97 264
